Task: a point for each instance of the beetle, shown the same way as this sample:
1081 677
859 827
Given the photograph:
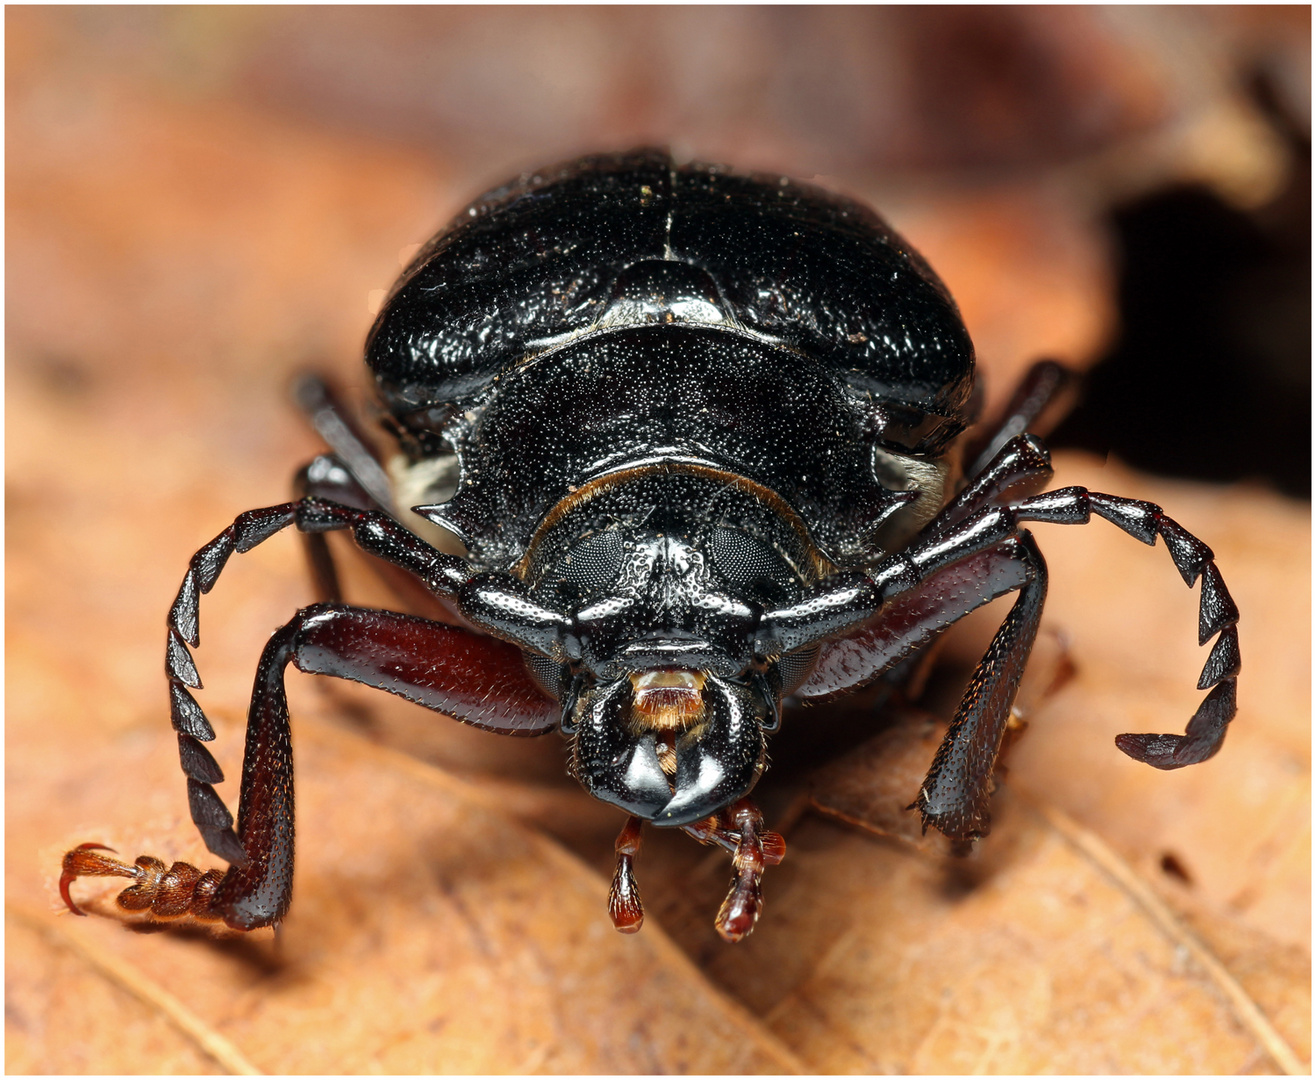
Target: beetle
706 440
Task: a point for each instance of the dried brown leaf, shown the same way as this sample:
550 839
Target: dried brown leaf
431 934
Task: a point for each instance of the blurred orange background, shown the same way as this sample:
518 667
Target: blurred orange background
202 201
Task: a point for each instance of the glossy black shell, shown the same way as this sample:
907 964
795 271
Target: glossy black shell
624 310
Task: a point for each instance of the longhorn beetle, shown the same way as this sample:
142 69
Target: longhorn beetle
703 438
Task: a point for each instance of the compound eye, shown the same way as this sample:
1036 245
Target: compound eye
593 562
749 565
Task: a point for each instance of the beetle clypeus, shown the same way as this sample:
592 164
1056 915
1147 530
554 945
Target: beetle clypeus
701 435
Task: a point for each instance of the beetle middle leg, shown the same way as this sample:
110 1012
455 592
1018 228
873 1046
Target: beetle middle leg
1040 401
351 474
325 477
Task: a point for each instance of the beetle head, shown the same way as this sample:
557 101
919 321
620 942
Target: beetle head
670 715
667 703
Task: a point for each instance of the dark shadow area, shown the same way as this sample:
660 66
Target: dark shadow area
1211 376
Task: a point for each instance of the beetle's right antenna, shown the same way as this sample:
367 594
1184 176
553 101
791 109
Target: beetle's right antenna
374 531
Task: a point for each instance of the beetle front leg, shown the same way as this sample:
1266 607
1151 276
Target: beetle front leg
256 889
173 892
955 796
475 679
254 892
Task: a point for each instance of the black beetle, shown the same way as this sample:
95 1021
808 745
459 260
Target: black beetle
700 434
